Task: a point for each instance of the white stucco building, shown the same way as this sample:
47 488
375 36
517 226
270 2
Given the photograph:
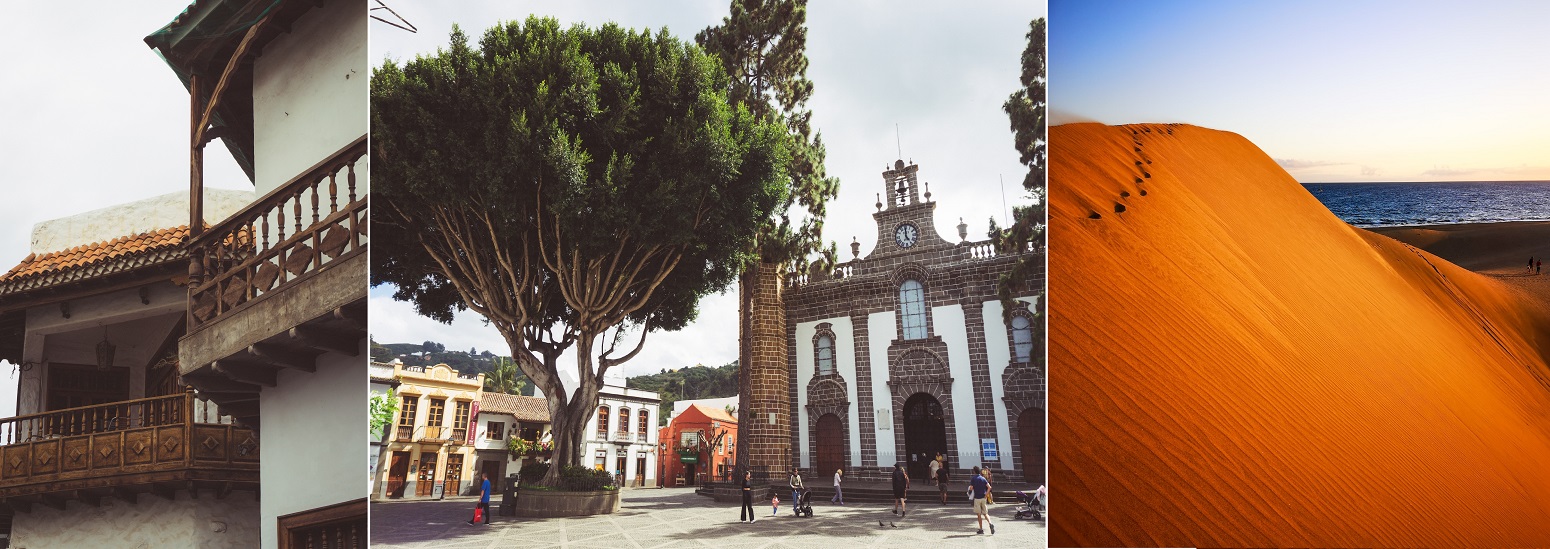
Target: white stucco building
622 434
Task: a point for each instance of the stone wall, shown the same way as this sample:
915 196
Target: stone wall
767 425
150 522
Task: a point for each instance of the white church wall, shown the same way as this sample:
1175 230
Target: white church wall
998 349
844 365
880 331
950 326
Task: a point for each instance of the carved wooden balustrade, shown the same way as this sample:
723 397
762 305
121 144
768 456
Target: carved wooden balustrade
434 433
314 220
44 452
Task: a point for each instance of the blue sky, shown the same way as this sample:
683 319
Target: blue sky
1338 91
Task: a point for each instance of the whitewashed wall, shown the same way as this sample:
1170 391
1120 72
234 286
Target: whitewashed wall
880 331
999 352
310 93
313 437
844 365
150 522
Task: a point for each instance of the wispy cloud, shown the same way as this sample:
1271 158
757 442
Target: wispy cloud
1298 164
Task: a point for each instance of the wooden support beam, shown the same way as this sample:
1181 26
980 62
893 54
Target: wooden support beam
217 383
165 491
88 498
354 315
231 68
222 490
270 353
53 501
193 490
20 505
245 373
239 408
326 339
126 494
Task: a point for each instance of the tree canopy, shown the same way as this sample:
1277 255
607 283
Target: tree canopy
1025 109
564 183
762 44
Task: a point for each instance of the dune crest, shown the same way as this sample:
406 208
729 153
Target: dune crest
1233 365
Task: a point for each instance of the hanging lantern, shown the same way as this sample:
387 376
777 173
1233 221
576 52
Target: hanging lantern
105 353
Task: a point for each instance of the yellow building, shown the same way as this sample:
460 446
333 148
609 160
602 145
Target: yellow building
430 451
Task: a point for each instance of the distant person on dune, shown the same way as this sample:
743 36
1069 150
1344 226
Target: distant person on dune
1531 264
1538 265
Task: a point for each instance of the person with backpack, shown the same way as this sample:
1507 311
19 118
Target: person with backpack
942 479
901 485
979 488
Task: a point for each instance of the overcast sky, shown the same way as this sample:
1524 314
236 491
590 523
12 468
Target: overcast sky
939 71
90 117
1335 90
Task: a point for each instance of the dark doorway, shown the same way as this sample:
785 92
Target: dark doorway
492 469
925 434
689 474
1030 437
454 475
425 483
831 445
398 474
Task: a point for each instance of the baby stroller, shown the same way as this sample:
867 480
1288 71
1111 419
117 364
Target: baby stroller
1027 507
804 505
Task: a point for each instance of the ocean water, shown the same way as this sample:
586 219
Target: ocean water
1400 204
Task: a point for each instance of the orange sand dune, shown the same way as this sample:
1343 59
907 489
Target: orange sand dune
1233 365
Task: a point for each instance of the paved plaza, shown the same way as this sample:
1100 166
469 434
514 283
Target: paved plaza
676 517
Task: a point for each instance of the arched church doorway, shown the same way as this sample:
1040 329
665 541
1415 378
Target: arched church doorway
831 445
1030 436
925 434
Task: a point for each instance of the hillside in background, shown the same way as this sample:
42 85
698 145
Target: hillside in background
694 382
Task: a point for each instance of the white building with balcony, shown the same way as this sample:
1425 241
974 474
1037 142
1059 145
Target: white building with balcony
621 437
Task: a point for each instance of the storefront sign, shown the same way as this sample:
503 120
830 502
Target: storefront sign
473 422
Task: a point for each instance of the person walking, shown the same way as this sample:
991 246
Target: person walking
484 499
839 497
901 484
941 480
746 514
796 490
933 466
774 503
1531 264
1538 264
979 488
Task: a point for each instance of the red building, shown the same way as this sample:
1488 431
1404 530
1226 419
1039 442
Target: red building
697 446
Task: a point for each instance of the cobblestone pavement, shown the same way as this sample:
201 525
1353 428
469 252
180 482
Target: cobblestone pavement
676 517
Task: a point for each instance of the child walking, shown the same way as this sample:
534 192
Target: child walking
774 505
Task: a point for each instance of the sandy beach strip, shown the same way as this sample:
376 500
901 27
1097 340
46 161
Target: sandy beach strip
1497 250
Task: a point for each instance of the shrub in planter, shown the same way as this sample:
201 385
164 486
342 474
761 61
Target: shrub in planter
532 472
576 478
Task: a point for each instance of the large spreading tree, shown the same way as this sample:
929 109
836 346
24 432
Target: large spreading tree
579 188
762 44
1026 111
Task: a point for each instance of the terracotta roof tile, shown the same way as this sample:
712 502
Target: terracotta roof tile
524 408
96 259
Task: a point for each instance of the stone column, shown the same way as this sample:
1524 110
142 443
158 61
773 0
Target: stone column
764 425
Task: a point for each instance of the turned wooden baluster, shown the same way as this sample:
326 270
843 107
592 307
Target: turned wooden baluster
351 178
314 188
296 206
333 192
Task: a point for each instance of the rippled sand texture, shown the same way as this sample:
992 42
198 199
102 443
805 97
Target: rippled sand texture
1233 365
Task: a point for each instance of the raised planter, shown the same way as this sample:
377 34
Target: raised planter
545 503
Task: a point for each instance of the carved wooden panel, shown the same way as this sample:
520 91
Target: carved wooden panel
106 451
45 457
245 445
170 444
209 442
139 447
18 461
76 454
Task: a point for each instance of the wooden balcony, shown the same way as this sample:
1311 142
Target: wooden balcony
459 436
124 449
278 284
405 434
434 433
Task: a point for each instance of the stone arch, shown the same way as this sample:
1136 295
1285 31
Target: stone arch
1037 351
820 331
918 273
1025 392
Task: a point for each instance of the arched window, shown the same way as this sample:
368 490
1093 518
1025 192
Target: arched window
624 422
1022 338
825 348
602 422
912 309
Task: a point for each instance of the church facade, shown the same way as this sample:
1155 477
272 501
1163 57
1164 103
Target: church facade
905 353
